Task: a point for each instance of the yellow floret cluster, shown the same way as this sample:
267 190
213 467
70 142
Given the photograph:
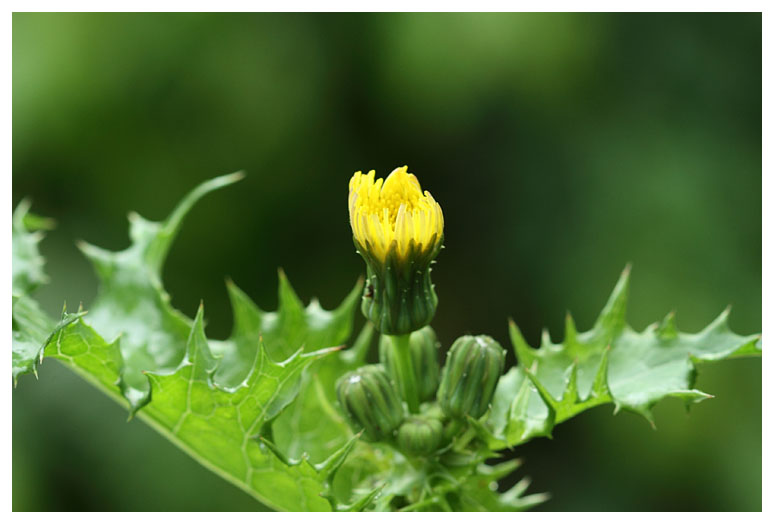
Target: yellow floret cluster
395 209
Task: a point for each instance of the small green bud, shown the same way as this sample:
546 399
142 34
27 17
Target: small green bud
420 436
474 366
370 402
423 347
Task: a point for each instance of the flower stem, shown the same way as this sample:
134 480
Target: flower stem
406 379
452 428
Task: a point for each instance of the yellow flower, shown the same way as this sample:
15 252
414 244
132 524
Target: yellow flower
398 230
394 211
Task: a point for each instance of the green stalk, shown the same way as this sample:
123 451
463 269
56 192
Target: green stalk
406 377
451 429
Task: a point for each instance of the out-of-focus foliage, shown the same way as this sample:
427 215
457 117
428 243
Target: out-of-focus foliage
583 141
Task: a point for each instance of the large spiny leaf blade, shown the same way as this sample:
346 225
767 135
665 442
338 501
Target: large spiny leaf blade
211 398
611 363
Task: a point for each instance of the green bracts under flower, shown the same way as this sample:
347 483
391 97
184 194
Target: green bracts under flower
370 402
399 297
474 366
420 436
423 348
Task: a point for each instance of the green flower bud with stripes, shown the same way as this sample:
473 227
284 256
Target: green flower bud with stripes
424 352
420 436
474 366
370 402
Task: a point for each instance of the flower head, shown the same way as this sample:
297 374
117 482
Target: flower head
394 214
398 230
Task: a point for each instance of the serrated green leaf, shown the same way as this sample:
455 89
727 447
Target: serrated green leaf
27 263
464 483
363 502
32 328
319 436
211 398
313 327
284 331
480 494
132 303
611 363
221 426
87 353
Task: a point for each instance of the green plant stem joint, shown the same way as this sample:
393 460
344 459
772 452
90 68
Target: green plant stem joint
474 366
370 402
398 296
423 352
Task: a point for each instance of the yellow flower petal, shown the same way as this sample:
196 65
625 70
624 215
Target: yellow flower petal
395 209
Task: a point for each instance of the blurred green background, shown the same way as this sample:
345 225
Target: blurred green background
560 146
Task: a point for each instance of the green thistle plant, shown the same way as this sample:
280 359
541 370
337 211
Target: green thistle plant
269 417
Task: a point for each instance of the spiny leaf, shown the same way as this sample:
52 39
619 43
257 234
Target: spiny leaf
32 331
363 502
132 302
478 492
523 351
325 471
611 363
314 327
32 328
284 331
240 353
27 263
211 398
88 354
356 356
329 467
613 318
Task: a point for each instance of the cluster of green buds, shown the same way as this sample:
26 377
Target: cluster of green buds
408 400
373 401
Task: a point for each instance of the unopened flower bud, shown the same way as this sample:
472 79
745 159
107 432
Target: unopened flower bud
370 402
420 436
471 373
